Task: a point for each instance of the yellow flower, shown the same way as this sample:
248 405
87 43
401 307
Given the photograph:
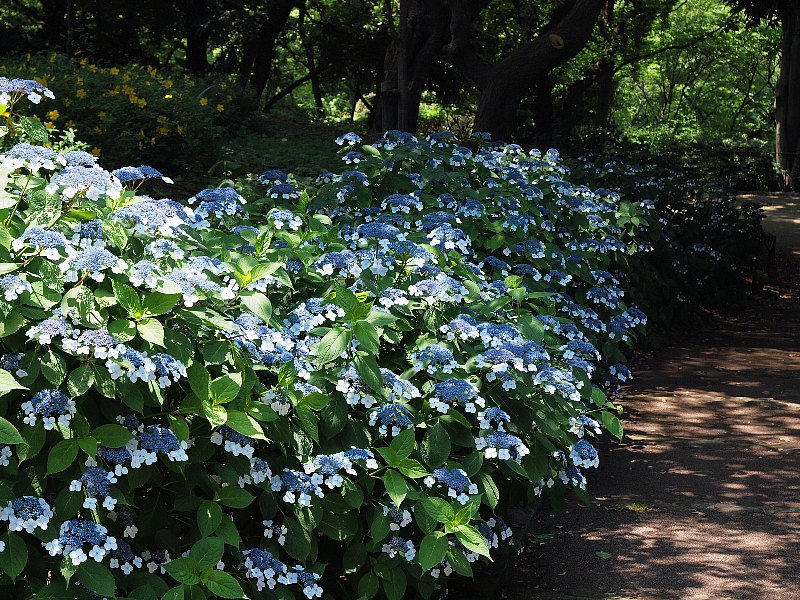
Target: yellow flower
168 96
220 108
142 103
83 61
81 94
162 130
179 129
203 101
50 125
114 70
53 115
95 151
229 97
168 84
70 124
152 141
101 115
126 77
53 57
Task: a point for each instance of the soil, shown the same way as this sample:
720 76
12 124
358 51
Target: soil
701 499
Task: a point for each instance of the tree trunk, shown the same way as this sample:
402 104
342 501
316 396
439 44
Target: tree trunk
503 85
421 34
197 34
787 98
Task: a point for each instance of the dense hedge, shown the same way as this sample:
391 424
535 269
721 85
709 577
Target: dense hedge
335 391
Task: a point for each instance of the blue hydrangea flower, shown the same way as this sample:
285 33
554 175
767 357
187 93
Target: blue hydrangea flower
45 242
13 286
391 418
33 158
583 454
458 484
502 445
455 392
349 138
91 181
77 533
12 90
50 406
28 513
298 487
95 483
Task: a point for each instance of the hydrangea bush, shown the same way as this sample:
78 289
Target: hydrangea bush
275 392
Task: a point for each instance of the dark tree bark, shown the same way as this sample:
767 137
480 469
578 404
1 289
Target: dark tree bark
420 37
198 29
503 85
255 67
787 98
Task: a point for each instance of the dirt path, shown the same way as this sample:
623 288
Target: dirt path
702 498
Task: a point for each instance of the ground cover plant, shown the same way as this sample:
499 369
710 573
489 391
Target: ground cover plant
283 393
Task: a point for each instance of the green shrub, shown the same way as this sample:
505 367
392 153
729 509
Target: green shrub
135 113
340 393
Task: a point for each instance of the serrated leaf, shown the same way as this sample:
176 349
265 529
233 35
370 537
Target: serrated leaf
151 330
208 552
127 298
472 539
112 435
235 497
80 380
223 585
612 423
367 337
15 555
158 303
62 456
435 446
395 485
97 578
259 305
184 570
225 388
245 424
332 345
8 383
9 433
209 516
432 550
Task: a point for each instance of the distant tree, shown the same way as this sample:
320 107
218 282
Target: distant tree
786 14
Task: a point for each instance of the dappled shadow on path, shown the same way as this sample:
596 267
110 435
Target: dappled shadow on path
702 497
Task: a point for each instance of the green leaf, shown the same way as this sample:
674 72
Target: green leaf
209 516
368 585
438 509
216 415
176 593
88 445
127 298
298 540
112 435
54 367
394 584
151 330
395 485
80 380
184 570
612 423
490 491
8 383
158 303
370 372
97 578
15 556
179 427
435 447
223 585
308 420
199 380
367 337
404 443
208 552
602 554
245 424
472 539
333 345
432 550
225 388
11 324
34 129
259 305
235 497
346 299
61 456
9 433
412 468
